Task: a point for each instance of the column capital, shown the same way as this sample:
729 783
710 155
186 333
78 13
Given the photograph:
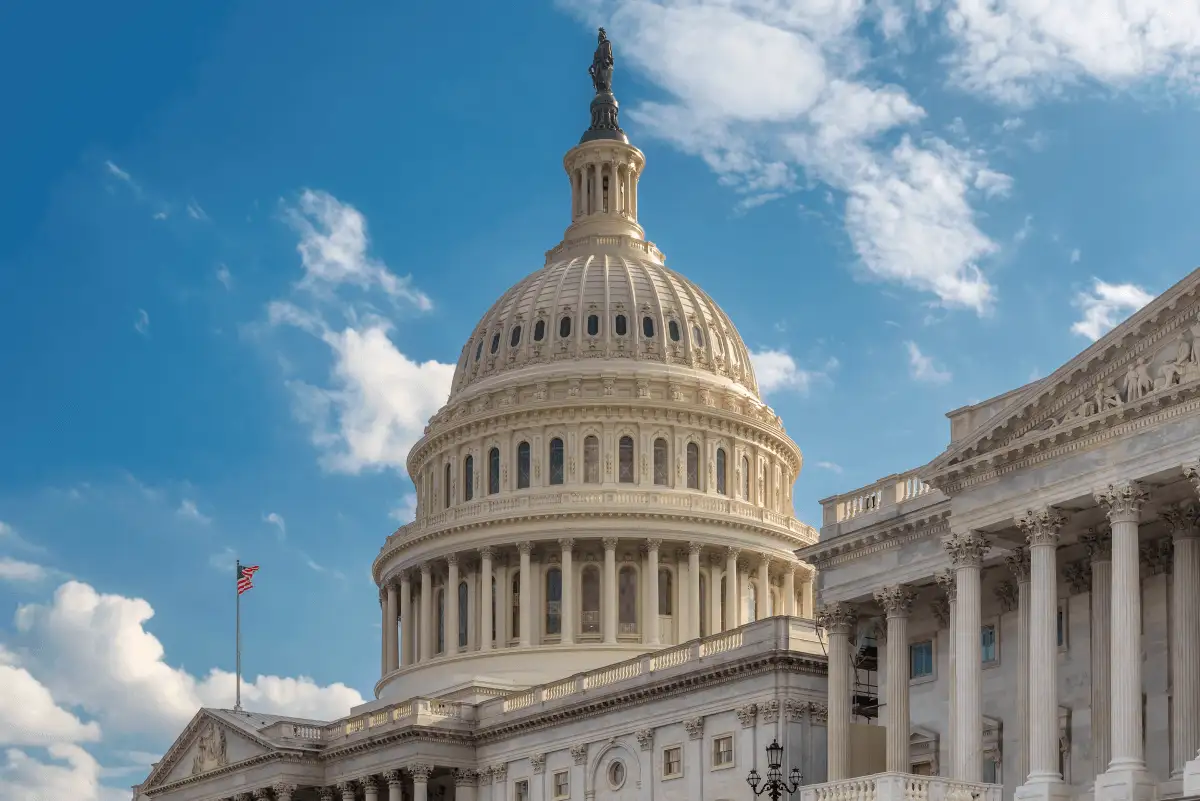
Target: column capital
694 547
653 544
346 787
966 549
837 618
420 771
1041 525
405 576
262 794
1181 521
426 569
1019 565
1191 471
566 543
394 778
1098 542
694 727
732 552
452 559
1122 500
945 580
500 771
609 543
465 777
896 600
368 783
525 548
579 753
323 793
284 791
487 552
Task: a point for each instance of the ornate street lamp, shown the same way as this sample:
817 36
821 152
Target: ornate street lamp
774 786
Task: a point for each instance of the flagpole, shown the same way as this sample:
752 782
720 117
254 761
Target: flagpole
237 704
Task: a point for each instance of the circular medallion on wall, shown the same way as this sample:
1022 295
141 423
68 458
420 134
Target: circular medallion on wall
616 774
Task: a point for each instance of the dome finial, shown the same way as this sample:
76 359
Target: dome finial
604 104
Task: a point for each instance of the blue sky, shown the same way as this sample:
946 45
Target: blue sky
240 244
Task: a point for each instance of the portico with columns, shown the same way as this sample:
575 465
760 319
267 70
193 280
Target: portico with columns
1033 590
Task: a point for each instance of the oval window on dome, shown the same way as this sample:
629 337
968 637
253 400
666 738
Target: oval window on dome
479 349
515 339
495 342
697 337
648 327
593 325
564 328
539 330
621 325
673 330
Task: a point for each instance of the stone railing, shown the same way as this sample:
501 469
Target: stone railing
582 500
900 787
422 710
885 492
775 633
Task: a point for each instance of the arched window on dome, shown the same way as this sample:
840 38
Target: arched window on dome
621 325
593 325
648 327
441 620
556 461
673 330
625 460
446 486
553 602
479 349
697 336
591 459
564 328
661 462
495 342
589 595
627 601
515 628
523 466
539 330
693 466
721 488
463 606
468 477
493 471
745 478
514 339
703 611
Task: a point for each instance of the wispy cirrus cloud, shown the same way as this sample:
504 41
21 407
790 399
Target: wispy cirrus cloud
1105 305
923 368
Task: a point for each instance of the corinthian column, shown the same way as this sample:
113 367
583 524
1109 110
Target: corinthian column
651 605
694 610
420 774
1126 777
426 615
897 603
451 601
1099 547
966 552
1185 637
1041 532
567 614
1018 563
789 591
731 588
610 589
406 620
838 619
393 654
486 598
763 598
945 580
526 597
395 785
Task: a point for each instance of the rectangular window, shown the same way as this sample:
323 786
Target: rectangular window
988 645
672 762
562 785
722 751
920 660
521 790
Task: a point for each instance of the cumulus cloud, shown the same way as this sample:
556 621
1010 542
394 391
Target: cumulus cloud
94 653
71 773
764 92
17 571
406 512
29 714
188 509
776 371
1106 305
922 368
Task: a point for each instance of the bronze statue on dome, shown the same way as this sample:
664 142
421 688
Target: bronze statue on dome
602 64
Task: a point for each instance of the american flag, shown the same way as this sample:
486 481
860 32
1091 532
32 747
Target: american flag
244 576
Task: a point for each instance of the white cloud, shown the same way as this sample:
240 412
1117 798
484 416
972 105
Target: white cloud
922 368
1017 51
333 248
762 90
195 212
72 773
406 512
777 370
832 467
93 652
113 169
1105 306
224 276
13 570
276 520
142 323
187 508
30 716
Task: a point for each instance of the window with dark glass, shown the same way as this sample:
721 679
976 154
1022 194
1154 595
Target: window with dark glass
704 621
516 606
627 600
441 621
495 343
523 466
589 608
463 606
593 325
564 328
720 471
920 659
556 461
621 325
662 469
988 644
648 327
493 471
591 459
665 593
479 349
625 460
446 487
495 593
673 330
468 478
693 466
515 338
553 602
539 330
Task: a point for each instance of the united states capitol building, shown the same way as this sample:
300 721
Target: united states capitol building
605 593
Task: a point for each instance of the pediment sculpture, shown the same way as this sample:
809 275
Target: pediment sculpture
210 750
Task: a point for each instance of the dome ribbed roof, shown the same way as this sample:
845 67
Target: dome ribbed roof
603 307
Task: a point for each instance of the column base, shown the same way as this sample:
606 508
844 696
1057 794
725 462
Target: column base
1054 790
1126 784
1191 777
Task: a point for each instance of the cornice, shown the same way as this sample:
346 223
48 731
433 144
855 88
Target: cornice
858 544
294 756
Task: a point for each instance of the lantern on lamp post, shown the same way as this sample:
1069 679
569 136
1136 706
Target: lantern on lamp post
774 787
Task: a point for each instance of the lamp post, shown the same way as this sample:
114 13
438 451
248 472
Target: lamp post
774 786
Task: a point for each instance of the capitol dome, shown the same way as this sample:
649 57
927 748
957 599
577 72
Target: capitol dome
604 478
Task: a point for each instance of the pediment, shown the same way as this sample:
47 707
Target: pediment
206 745
1150 361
